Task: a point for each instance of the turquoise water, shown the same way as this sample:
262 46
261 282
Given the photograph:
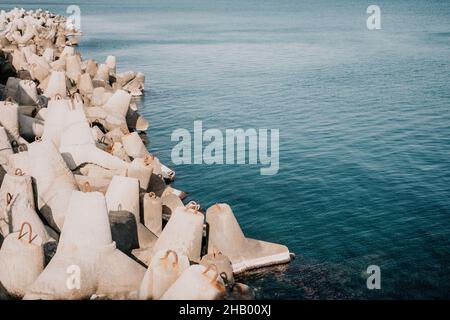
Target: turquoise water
364 128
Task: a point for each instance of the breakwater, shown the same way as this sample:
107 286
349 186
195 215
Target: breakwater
82 198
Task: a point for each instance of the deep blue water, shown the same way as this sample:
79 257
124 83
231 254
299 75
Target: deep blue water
364 127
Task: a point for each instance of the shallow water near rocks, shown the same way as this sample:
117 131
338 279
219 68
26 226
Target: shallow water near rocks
364 128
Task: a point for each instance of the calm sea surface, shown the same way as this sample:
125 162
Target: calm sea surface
364 120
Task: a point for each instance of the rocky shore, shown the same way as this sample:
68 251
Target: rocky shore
86 211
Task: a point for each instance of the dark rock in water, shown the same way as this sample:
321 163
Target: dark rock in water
124 230
240 291
308 279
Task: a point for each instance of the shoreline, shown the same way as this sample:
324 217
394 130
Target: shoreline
81 113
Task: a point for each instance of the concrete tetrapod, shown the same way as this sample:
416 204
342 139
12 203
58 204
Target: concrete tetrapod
15 189
118 103
27 93
197 283
141 169
21 261
96 115
28 51
95 171
39 68
159 168
116 108
78 145
125 77
58 65
111 63
169 190
136 121
91 67
223 264
116 134
134 146
27 35
73 68
183 233
5 214
97 184
22 213
136 86
152 212
18 161
98 134
146 238
19 61
113 121
67 52
85 85
165 268
5 147
101 78
169 203
56 85
77 102
54 181
123 195
9 119
165 171
118 150
18 186
86 249
12 88
48 55
57 111
226 236
98 97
